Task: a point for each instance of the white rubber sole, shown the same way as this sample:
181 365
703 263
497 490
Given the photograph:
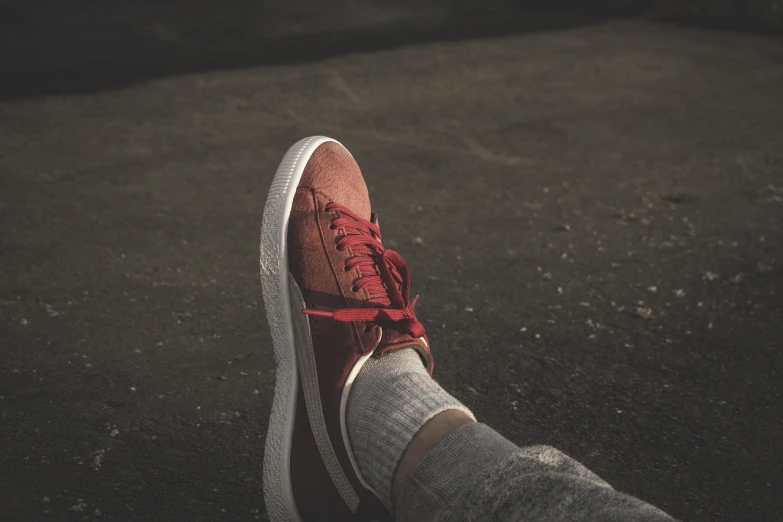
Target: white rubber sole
278 493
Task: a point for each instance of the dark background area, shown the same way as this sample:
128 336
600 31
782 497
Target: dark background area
589 196
54 47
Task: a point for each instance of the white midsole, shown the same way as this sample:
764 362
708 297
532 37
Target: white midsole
273 260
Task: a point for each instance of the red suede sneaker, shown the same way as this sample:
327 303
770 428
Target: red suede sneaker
334 297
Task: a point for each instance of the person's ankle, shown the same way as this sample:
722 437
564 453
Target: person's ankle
390 401
428 436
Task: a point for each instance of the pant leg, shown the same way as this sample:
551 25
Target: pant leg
475 474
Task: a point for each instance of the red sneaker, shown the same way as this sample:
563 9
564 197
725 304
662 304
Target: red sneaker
334 297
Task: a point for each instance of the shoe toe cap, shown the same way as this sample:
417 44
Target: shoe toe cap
332 171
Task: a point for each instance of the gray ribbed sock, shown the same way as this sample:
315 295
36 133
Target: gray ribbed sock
390 400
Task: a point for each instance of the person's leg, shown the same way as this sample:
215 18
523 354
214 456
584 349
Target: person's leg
356 419
430 435
449 467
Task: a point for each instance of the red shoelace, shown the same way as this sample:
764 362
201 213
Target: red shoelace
383 273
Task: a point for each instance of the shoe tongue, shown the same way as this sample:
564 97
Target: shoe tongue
374 295
374 220
386 294
333 172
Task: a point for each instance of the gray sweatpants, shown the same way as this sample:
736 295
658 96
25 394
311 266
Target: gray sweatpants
475 474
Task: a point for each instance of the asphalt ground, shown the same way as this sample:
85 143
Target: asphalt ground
591 208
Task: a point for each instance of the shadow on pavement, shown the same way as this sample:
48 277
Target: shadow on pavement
53 48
